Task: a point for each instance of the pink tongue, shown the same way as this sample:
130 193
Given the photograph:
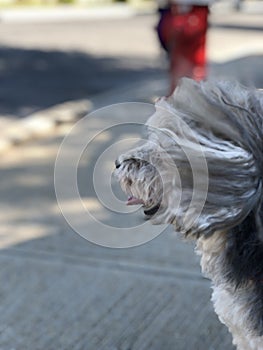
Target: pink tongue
134 201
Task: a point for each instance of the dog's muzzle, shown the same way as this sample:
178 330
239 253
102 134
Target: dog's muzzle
148 211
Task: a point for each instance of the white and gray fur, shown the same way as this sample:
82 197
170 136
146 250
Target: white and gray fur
201 170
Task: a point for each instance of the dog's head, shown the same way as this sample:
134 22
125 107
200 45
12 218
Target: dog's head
201 166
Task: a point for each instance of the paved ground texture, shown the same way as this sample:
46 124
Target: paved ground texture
59 291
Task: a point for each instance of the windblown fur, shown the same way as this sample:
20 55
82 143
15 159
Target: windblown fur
201 170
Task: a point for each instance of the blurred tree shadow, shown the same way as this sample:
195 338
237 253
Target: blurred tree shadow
31 80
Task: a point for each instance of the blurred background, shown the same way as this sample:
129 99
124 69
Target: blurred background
60 60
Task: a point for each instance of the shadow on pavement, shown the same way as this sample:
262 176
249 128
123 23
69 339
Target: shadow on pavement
33 79
59 291
247 69
245 27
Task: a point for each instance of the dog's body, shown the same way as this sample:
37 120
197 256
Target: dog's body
234 307
201 170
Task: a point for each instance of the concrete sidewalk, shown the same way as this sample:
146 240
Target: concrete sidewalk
62 292
59 291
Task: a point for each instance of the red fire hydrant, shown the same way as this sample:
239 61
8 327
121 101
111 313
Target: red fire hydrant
182 32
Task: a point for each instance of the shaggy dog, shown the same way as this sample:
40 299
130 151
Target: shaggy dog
201 169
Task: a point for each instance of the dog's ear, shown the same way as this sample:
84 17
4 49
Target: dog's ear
222 123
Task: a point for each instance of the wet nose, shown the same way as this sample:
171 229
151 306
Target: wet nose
117 164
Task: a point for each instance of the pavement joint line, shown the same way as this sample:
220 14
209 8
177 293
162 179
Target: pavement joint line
105 264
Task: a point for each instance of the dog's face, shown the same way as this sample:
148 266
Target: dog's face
197 169
156 175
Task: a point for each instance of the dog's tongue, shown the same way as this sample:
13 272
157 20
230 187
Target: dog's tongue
134 201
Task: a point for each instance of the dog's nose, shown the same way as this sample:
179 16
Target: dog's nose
117 164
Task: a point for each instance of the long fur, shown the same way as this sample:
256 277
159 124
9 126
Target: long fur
202 168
